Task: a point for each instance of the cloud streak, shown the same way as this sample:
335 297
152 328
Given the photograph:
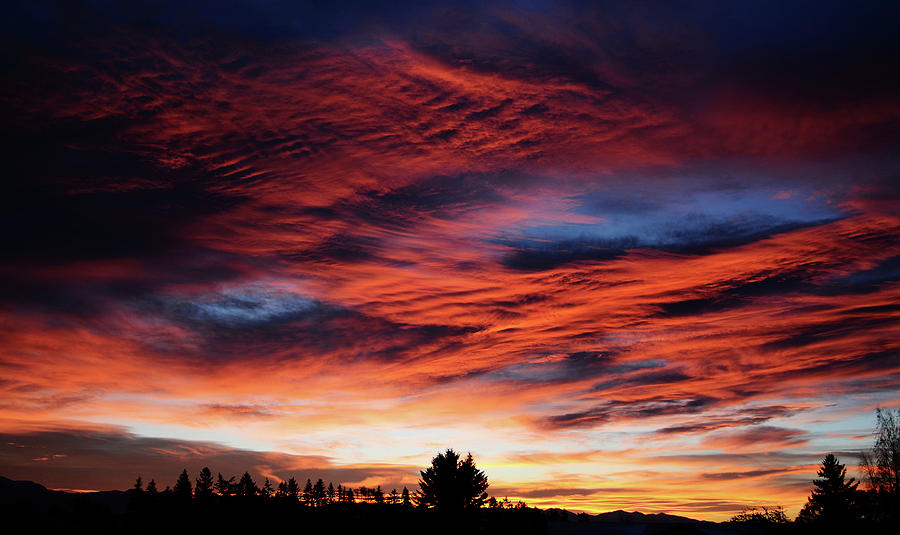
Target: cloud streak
376 234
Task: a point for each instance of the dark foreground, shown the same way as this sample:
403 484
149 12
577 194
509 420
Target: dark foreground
40 510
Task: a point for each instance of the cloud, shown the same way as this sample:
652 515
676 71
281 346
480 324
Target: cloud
366 233
74 455
760 438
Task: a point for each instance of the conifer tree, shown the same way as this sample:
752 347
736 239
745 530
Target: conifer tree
138 485
307 493
267 490
182 487
204 488
223 486
151 487
350 497
451 484
832 500
293 489
246 487
318 493
404 496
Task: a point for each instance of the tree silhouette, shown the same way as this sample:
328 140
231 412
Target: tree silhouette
151 487
182 487
223 486
761 516
318 493
293 490
246 487
138 485
404 498
832 499
451 484
204 487
266 491
882 464
330 492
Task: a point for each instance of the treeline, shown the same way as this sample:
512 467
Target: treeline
836 501
451 499
208 490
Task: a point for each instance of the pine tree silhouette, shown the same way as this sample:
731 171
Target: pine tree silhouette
246 487
832 499
318 493
293 490
182 487
451 484
204 485
223 486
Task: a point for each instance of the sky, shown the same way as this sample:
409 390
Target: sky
639 256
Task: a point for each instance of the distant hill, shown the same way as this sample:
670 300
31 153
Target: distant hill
624 517
38 498
619 517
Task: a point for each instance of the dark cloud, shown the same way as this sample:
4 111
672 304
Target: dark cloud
608 411
744 417
441 196
763 436
113 459
554 255
562 492
731 476
735 295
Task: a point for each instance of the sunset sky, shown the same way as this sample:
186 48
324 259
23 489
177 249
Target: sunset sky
639 256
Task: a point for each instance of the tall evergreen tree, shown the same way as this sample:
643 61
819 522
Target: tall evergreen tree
404 497
350 497
378 495
246 487
832 499
293 489
330 492
182 487
266 491
138 485
318 493
204 487
223 486
151 487
451 484
307 493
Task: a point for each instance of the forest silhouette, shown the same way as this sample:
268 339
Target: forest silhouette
452 497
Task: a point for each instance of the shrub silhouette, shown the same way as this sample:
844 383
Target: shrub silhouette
451 484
